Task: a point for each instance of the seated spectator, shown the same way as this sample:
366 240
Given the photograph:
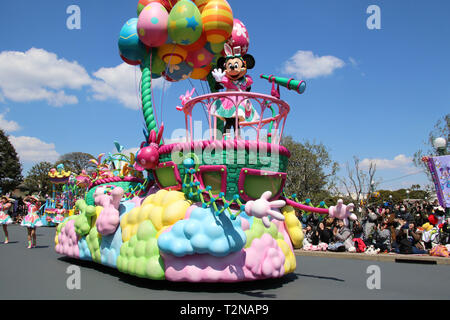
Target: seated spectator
342 238
403 214
408 239
325 234
383 237
313 220
308 233
357 229
315 244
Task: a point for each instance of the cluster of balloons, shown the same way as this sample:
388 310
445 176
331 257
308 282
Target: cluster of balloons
184 38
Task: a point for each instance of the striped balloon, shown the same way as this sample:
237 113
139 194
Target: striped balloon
217 18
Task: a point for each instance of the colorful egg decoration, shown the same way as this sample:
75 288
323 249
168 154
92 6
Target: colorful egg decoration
130 62
215 48
197 45
201 4
178 72
200 73
217 18
200 58
185 23
130 47
172 53
152 25
168 4
239 36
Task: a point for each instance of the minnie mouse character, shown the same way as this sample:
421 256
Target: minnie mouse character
234 78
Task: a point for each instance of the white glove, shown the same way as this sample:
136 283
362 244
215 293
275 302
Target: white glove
262 208
218 74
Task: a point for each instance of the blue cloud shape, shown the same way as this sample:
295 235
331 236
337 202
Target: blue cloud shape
204 232
85 254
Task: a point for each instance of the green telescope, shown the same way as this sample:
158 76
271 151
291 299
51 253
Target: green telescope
291 84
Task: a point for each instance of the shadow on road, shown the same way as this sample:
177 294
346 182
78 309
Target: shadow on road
254 289
319 277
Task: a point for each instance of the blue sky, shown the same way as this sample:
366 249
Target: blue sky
384 91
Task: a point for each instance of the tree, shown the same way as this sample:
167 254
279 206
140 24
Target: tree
441 129
10 167
310 171
358 183
76 162
38 179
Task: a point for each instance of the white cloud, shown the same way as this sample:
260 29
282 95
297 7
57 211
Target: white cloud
121 83
31 149
37 75
8 125
399 162
305 64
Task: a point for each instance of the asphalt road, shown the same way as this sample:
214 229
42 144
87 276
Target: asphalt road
40 273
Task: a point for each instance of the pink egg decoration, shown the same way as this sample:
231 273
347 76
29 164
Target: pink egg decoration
200 58
239 36
152 25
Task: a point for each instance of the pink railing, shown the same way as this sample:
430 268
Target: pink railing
257 99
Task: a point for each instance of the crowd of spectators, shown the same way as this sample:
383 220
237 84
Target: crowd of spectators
405 227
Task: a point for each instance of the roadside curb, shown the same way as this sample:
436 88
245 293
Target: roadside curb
405 258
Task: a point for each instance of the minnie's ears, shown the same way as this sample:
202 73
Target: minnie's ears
249 60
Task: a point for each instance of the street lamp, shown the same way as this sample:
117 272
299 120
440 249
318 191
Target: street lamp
407 194
440 144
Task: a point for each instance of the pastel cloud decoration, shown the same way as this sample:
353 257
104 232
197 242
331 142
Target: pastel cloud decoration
263 259
140 255
203 232
109 199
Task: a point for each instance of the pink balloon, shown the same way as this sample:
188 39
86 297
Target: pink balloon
152 25
200 58
239 36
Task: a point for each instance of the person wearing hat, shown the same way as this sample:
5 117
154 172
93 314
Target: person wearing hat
5 219
59 217
32 219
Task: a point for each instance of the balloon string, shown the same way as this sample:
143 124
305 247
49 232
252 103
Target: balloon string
164 83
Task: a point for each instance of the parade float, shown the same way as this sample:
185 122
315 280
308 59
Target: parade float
208 210
64 196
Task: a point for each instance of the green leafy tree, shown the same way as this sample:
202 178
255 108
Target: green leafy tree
38 180
76 162
311 172
10 167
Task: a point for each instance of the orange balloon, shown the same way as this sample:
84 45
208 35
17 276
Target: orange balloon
217 18
200 73
172 53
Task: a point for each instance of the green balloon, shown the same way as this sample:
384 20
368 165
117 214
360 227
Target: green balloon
185 23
